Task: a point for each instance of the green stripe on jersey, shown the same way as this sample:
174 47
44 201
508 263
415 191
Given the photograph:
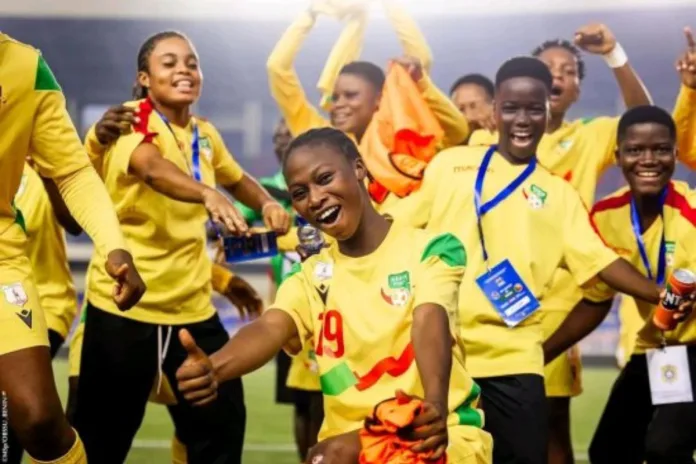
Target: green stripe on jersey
45 80
446 247
337 380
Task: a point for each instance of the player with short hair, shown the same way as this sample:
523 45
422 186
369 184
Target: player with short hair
505 190
651 223
374 305
473 95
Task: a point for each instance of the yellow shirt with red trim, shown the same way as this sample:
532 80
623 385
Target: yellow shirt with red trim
166 237
47 253
541 226
358 314
33 119
580 152
612 217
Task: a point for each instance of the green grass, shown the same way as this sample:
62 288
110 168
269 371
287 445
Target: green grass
270 425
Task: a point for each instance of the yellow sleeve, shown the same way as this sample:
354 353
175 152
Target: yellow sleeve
440 273
59 154
292 299
347 49
452 121
601 133
286 88
221 278
685 118
90 204
584 252
55 146
409 34
227 171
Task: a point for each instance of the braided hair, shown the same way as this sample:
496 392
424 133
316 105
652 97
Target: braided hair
326 136
566 45
144 54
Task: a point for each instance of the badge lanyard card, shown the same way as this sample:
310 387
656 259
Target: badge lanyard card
237 249
502 285
668 366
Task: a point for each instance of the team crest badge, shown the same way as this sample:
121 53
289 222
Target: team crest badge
565 144
669 373
669 253
399 289
15 294
206 147
536 196
323 271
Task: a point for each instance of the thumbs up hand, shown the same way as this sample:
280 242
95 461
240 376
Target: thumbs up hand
196 378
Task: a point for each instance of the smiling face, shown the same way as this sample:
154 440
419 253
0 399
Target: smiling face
354 101
521 113
473 102
647 155
173 76
326 189
566 78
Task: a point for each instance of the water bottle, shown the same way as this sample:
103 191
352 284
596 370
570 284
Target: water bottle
311 240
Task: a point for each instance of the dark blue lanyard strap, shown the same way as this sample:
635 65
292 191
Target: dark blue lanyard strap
638 232
483 208
195 148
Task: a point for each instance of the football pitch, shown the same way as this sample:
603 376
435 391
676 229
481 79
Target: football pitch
269 426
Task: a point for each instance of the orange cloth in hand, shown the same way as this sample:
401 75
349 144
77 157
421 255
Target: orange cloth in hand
379 438
402 137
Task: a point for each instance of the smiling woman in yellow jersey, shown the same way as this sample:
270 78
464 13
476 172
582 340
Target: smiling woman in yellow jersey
162 179
375 305
33 119
652 223
580 151
356 85
545 218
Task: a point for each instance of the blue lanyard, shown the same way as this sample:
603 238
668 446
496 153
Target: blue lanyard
195 148
638 232
483 208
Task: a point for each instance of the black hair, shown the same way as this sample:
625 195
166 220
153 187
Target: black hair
327 136
476 79
366 70
564 44
144 57
524 66
645 114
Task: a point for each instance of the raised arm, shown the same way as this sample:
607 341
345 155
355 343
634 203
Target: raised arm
59 155
286 88
685 108
599 40
409 34
347 49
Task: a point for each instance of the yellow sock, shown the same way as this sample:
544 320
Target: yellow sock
178 452
76 455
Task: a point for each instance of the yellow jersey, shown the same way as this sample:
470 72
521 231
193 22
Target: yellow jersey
167 237
541 226
300 115
33 119
358 314
580 152
612 217
47 253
